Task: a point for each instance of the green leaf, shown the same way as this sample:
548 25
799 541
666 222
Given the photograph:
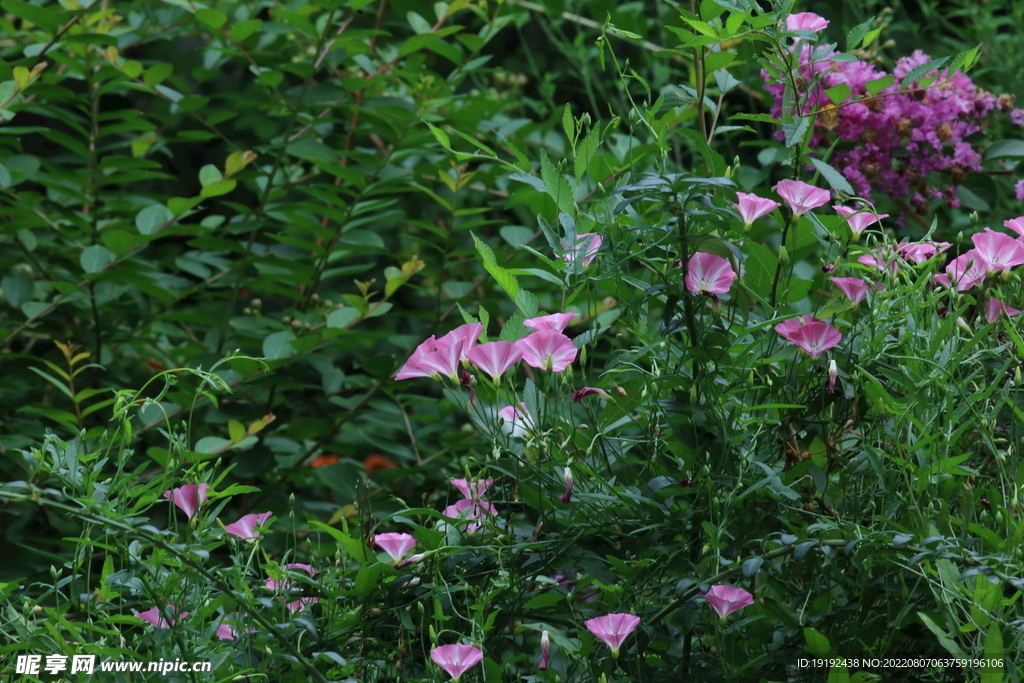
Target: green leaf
180 205
943 638
838 93
18 288
568 124
213 18
817 644
760 268
95 258
156 74
152 218
834 178
702 27
278 345
209 174
211 444
239 32
918 71
342 317
856 35
118 241
39 16
994 655
1005 149
879 84
218 188
556 185
418 23
236 431
441 136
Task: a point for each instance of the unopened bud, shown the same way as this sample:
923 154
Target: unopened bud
545 651
566 497
783 255
833 373
975 218
962 324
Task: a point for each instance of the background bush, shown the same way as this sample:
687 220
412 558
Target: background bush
226 227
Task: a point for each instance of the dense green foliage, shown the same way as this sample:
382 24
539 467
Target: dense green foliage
225 227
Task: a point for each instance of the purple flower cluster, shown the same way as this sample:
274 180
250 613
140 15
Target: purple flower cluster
896 139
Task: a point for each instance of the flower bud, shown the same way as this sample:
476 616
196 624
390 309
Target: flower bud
962 324
975 218
783 255
833 373
567 496
545 651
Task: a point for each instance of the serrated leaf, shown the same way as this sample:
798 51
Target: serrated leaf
568 124
839 93
833 177
921 70
879 84
795 129
857 33
702 27
556 184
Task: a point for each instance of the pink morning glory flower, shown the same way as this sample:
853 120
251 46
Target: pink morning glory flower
709 273
470 509
994 308
463 338
858 220
998 250
728 599
855 289
517 422
964 272
613 629
395 545
188 498
813 337
556 322
456 659
567 496
787 327
246 527
473 489
805 21
412 366
225 632
801 197
589 241
495 358
165 620
920 252
442 362
1015 224
882 258
588 391
301 604
285 585
751 207
547 350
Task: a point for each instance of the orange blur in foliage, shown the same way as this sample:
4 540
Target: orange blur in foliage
373 462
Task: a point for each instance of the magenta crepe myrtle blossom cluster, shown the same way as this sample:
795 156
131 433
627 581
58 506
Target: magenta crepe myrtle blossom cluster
456 659
894 140
613 629
751 207
188 498
247 526
801 197
162 618
587 245
813 336
395 545
859 220
709 274
728 599
994 308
